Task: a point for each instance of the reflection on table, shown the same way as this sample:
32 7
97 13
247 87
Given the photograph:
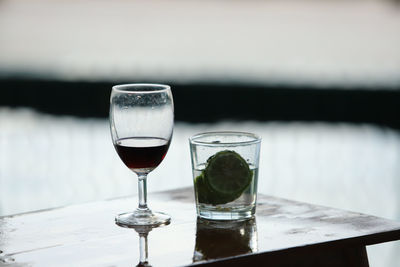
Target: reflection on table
224 239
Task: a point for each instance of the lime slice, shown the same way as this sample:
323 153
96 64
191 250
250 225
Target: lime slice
226 176
227 173
202 190
207 195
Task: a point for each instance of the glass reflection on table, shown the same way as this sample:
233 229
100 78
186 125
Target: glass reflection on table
143 231
224 239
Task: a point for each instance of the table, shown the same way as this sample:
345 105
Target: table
284 233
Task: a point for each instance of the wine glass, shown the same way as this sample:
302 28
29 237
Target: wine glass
141 123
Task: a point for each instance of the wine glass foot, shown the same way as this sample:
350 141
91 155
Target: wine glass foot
135 219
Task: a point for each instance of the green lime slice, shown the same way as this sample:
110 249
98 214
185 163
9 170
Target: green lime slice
227 173
226 176
202 190
207 195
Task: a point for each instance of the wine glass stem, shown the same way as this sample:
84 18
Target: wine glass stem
142 192
143 248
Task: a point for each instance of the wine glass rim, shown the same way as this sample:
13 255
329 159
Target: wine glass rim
254 138
130 87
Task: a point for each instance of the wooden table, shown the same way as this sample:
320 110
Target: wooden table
284 233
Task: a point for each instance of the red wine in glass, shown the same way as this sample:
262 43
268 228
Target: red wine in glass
142 154
141 125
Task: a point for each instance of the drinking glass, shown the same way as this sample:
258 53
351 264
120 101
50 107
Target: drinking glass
225 174
141 123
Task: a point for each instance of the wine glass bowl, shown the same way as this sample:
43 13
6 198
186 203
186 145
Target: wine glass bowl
141 124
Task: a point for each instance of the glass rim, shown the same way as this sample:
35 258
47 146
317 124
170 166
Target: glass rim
130 87
256 138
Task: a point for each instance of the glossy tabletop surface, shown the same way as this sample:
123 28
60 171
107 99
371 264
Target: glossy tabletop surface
86 235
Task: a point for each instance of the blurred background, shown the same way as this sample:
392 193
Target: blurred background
319 81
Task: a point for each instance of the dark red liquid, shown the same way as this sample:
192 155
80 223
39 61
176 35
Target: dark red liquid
142 153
